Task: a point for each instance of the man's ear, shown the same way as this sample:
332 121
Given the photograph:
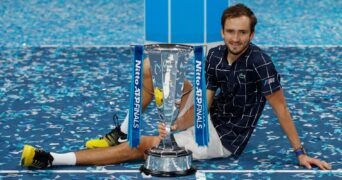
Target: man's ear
251 36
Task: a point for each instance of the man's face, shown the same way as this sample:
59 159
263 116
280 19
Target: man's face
237 34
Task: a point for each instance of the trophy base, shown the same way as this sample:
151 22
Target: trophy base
168 162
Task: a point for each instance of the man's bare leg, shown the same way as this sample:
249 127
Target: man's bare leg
116 154
32 157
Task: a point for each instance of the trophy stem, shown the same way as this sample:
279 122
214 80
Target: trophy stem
168 142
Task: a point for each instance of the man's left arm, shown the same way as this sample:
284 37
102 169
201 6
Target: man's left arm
278 103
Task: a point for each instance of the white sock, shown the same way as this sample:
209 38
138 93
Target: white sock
63 159
124 124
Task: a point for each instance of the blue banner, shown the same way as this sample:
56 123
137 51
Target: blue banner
135 105
200 99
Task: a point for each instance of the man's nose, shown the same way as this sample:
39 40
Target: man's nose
236 37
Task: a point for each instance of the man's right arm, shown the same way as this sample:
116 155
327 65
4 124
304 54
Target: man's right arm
210 97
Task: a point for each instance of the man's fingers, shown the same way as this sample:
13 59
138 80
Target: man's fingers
162 130
308 166
312 161
321 166
160 125
318 163
306 162
326 165
173 127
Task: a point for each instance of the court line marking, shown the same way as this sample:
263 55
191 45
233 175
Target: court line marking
200 171
149 42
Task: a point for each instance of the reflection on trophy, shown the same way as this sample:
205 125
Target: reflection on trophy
168 67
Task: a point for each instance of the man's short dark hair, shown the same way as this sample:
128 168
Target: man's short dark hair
239 10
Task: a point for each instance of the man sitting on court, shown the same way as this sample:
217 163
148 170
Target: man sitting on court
240 79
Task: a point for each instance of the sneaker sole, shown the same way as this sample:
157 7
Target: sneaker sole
27 155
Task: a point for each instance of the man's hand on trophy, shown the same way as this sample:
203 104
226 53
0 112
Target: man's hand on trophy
164 131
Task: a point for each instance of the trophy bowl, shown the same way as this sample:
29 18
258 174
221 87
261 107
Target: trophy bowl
168 63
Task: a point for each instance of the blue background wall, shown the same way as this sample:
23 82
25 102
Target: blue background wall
178 21
121 22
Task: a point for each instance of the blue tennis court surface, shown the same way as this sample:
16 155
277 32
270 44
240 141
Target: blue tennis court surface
56 98
65 69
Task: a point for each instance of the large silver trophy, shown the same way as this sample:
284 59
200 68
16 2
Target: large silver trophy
168 64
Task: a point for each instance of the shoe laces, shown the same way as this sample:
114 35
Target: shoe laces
115 119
